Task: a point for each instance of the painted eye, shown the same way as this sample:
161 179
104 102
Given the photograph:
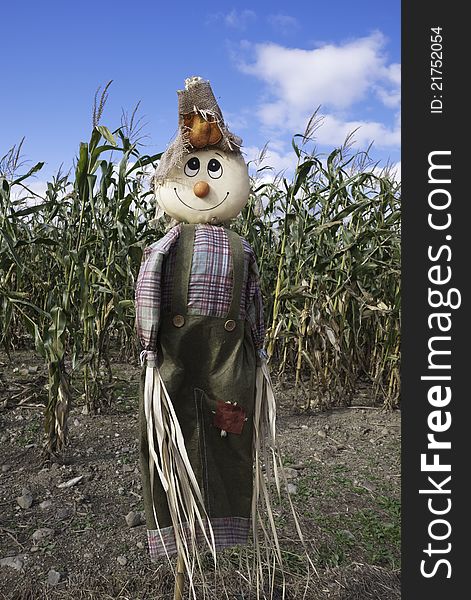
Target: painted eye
192 167
214 168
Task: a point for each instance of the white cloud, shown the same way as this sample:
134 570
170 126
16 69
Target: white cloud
274 157
338 78
332 76
283 23
389 91
394 73
34 189
393 169
334 131
391 99
396 170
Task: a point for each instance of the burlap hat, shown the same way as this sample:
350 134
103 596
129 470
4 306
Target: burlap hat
200 125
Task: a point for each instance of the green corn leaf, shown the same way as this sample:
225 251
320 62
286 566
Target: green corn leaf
106 133
37 167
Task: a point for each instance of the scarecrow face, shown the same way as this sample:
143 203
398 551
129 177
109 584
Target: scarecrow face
211 186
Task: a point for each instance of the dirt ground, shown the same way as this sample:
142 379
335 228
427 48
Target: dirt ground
66 530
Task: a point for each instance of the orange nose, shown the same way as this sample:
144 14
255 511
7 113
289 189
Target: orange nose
201 189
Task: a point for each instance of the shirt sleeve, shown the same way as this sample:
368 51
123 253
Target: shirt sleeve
148 298
254 305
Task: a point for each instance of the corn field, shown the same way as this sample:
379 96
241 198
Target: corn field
328 248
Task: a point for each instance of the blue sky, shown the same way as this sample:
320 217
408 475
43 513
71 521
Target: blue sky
271 64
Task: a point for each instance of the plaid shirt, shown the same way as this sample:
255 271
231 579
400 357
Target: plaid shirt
210 286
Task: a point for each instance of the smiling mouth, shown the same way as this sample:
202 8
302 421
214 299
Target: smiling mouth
200 209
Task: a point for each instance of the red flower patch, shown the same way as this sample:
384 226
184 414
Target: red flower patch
229 417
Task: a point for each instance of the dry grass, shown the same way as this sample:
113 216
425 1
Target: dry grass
356 582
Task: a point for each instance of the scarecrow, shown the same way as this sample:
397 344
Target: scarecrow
207 411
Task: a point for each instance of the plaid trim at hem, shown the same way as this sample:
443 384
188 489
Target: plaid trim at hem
228 531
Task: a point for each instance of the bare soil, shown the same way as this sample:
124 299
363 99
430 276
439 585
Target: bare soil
74 541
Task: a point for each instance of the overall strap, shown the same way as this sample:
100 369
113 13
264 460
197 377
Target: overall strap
181 276
237 252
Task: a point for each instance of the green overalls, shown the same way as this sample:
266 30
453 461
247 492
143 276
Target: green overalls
208 365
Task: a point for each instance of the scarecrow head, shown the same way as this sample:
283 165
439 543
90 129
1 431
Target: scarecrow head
202 176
